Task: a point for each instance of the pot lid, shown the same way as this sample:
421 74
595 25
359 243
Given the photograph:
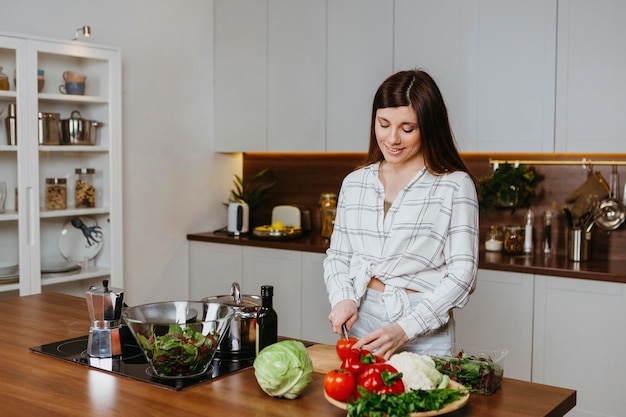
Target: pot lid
241 303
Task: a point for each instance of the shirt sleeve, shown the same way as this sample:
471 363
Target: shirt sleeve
460 267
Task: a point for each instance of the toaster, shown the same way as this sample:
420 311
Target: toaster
293 216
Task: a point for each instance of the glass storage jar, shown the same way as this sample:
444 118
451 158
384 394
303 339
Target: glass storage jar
56 193
328 208
84 190
514 239
493 241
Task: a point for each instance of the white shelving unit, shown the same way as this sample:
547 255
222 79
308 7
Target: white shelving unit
29 235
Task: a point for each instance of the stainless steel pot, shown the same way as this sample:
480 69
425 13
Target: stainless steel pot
241 337
78 131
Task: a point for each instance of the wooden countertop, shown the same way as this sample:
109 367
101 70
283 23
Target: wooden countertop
555 264
39 385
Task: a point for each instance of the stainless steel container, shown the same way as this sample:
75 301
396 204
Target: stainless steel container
240 340
78 131
49 129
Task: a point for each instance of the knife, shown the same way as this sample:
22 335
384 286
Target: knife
345 331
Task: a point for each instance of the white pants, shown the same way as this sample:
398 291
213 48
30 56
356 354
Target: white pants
373 315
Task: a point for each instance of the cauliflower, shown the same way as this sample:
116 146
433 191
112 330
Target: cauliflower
418 371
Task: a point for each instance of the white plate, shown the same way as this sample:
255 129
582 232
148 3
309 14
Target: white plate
73 244
9 272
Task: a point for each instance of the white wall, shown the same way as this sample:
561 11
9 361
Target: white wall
173 182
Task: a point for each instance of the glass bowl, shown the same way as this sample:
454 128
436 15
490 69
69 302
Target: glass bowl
179 338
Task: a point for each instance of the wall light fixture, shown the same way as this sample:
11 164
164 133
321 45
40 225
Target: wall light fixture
85 31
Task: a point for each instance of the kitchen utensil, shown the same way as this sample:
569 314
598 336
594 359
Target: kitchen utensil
72 88
611 213
345 331
70 76
105 311
11 125
78 131
240 340
49 128
578 242
238 217
157 327
288 215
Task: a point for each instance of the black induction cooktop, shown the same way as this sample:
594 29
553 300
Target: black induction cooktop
133 364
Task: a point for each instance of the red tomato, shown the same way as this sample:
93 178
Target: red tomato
358 360
381 378
344 346
339 384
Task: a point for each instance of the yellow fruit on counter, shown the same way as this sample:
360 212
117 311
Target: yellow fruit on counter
278 225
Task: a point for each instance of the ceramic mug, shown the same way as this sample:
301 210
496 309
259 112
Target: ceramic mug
72 88
74 77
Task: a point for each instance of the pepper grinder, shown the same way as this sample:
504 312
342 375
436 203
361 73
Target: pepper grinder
105 311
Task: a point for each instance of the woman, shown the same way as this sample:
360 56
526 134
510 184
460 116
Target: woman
404 250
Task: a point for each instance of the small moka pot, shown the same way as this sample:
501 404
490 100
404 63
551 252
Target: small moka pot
105 311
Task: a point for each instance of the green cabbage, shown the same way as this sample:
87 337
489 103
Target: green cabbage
283 369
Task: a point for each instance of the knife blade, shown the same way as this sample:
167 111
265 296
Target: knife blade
345 331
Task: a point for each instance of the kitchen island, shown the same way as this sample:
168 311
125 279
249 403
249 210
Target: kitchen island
33 384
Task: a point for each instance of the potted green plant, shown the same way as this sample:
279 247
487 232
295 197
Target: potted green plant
253 192
508 187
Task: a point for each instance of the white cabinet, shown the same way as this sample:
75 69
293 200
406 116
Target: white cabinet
359 58
300 297
213 267
499 315
270 75
280 268
315 304
579 338
591 93
494 62
31 234
240 75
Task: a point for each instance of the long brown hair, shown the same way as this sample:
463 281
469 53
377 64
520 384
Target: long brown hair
417 89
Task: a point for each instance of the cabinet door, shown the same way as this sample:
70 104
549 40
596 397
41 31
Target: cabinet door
282 269
499 315
579 340
240 75
360 57
494 62
315 305
296 75
591 63
213 267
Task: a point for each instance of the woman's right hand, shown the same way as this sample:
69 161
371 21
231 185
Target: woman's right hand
344 312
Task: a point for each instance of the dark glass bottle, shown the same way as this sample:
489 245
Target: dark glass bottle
266 320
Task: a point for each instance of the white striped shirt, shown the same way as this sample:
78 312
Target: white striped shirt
427 242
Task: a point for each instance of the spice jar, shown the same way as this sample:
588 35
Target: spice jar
4 80
56 193
328 207
514 240
84 190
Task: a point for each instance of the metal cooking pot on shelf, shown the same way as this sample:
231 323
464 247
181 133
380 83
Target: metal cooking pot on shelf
240 340
78 131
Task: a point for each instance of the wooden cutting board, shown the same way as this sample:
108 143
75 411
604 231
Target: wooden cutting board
324 358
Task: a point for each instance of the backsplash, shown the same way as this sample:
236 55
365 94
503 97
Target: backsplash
302 177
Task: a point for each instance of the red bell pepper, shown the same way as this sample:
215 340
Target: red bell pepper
381 378
358 360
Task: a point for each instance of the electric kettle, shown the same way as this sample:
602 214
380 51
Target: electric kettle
238 217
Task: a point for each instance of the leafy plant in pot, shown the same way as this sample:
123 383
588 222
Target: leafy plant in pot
253 192
508 187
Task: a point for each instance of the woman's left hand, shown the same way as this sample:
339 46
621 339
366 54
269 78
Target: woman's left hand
384 341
